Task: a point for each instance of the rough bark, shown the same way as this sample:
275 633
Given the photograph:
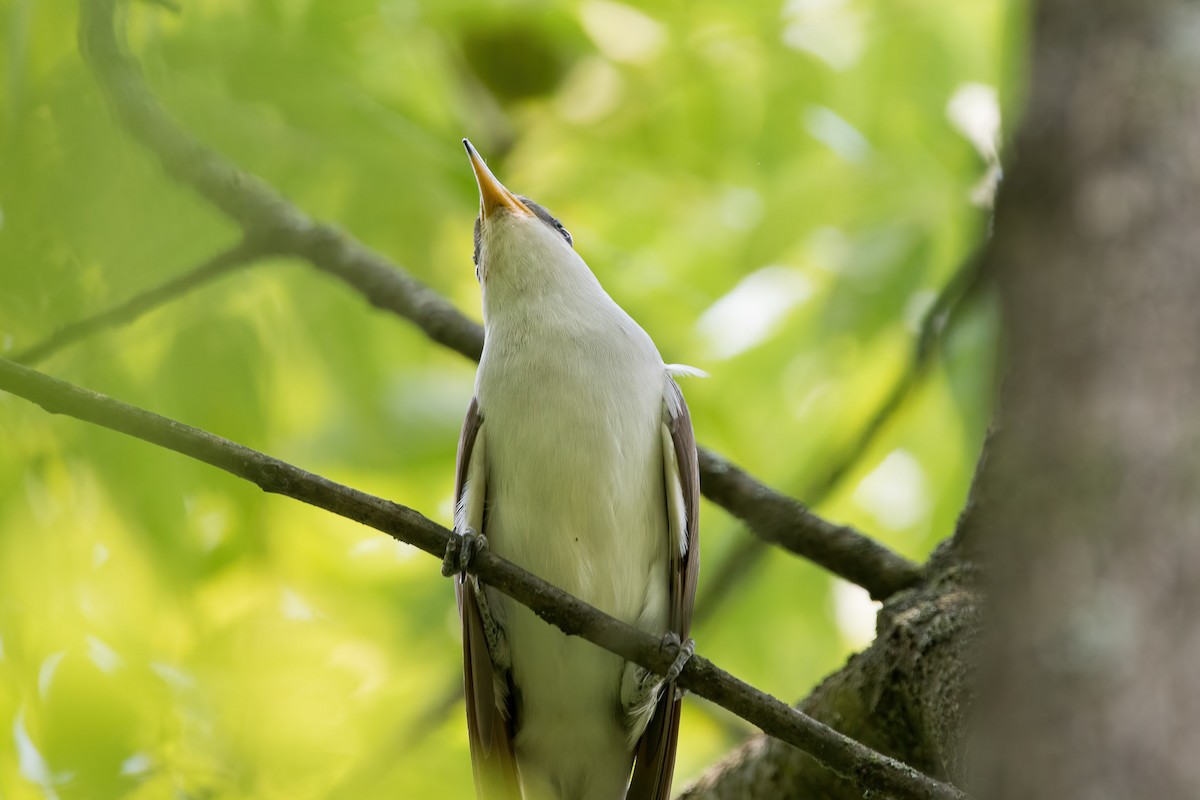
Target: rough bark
907 694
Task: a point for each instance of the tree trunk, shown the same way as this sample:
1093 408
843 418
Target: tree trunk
1086 513
1089 516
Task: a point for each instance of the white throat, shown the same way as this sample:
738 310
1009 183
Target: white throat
529 272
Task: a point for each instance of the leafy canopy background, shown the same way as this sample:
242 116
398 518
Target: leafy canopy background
775 190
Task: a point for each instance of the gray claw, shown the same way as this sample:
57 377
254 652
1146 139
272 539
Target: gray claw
684 650
460 550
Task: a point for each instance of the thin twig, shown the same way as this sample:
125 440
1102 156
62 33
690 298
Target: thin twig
266 215
866 768
129 310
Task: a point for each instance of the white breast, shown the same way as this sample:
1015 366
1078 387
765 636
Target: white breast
572 411
575 468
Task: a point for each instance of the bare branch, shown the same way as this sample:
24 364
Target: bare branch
838 548
260 211
268 217
886 571
866 768
129 310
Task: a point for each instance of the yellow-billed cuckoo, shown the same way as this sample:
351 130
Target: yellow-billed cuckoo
577 461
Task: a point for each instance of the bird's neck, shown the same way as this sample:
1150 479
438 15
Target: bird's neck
577 333
562 300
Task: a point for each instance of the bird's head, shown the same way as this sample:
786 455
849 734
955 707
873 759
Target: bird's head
520 248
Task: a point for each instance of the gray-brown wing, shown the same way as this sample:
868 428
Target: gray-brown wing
655 762
488 726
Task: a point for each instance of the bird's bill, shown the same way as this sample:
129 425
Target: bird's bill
492 194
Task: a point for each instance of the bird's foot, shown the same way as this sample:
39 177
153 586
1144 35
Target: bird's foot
683 649
460 551
641 688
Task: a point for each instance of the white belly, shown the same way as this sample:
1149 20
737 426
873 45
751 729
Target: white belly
575 495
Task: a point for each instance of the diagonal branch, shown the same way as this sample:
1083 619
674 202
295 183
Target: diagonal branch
253 204
267 217
767 512
866 768
226 261
838 548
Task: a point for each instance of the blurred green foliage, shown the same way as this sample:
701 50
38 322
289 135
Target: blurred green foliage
775 188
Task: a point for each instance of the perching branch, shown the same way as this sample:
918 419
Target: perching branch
226 261
267 217
867 769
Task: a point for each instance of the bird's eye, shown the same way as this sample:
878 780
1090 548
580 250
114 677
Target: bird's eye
566 234
548 218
